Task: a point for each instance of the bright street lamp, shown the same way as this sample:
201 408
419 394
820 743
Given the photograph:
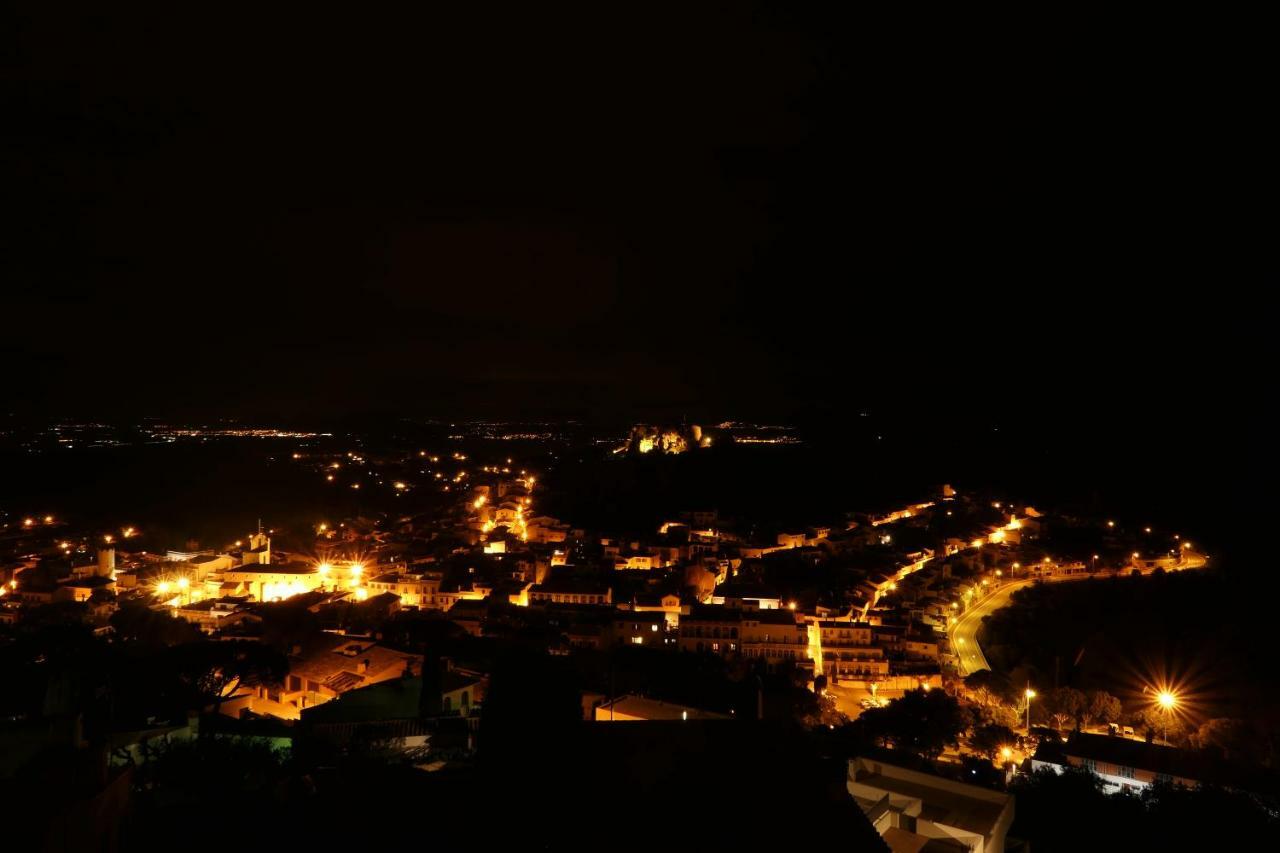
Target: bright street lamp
1029 694
1166 700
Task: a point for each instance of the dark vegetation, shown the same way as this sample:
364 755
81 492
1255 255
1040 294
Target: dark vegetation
1206 633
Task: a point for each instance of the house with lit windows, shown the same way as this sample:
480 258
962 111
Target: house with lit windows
641 628
711 628
322 673
1131 765
848 651
571 590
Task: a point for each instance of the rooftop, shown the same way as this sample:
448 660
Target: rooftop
654 709
1197 766
291 568
943 801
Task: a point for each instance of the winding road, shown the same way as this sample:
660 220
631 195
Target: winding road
964 634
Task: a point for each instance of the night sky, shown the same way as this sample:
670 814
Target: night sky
735 211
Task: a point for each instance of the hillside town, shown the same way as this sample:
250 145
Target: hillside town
391 625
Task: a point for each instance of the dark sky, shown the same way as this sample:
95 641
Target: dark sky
727 210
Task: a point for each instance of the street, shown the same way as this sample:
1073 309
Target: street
964 634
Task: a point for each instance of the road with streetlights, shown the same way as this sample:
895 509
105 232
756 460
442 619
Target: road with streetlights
964 634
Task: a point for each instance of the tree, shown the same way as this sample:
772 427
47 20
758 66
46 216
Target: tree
1231 737
1165 817
214 670
1102 707
990 739
815 709
989 688
922 722
1000 715
1065 705
1164 724
1050 806
139 623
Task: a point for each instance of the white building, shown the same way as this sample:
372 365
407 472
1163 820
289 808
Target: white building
911 809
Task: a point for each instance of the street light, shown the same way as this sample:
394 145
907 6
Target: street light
1029 694
1166 700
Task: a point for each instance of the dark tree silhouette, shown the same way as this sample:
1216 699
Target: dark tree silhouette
923 722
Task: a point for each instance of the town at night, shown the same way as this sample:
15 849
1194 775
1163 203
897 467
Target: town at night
735 428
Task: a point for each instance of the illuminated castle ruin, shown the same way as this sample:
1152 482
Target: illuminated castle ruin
665 439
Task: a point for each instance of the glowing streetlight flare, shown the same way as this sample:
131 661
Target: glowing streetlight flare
1166 700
